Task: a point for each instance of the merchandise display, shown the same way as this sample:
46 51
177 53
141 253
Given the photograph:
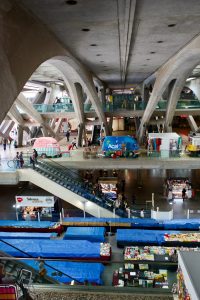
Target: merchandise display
140 276
164 144
183 237
193 146
182 290
105 250
151 253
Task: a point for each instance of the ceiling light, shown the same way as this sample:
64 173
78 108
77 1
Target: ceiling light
148 59
71 2
171 25
101 61
144 65
85 29
190 78
152 52
93 45
159 42
98 55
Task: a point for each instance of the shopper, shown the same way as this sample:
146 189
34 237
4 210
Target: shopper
28 217
74 144
21 160
183 193
142 213
17 160
68 135
4 143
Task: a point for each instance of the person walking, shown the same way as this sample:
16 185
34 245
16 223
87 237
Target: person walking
17 160
74 144
142 213
183 193
21 160
68 135
4 143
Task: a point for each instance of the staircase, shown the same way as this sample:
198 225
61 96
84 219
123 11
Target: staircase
72 181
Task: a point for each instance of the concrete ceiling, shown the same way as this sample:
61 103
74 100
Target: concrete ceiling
46 73
133 38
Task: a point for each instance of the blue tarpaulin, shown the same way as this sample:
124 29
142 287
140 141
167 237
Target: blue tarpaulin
141 236
28 224
114 143
93 234
183 224
52 248
79 271
24 235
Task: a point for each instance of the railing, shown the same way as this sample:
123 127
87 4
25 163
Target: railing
115 106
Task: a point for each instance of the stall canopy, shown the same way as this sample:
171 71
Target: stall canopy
93 234
116 143
78 271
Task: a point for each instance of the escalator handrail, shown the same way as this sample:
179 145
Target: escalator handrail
43 259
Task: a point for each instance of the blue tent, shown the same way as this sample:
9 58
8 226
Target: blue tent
114 143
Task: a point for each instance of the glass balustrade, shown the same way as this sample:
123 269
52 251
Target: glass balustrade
115 106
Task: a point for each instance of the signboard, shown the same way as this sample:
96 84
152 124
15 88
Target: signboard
37 201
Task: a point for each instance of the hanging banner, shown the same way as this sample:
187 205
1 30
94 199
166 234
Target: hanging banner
37 201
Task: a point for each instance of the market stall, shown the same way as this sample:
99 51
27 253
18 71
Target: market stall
193 146
79 271
108 186
120 146
36 207
30 226
140 275
134 237
176 187
164 145
92 234
79 250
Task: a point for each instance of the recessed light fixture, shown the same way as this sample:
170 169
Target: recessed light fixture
159 42
152 52
93 45
71 2
171 25
85 29
98 54
101 61
148 59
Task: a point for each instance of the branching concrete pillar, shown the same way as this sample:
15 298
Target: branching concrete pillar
192 123
172 102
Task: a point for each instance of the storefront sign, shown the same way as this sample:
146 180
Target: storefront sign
37 201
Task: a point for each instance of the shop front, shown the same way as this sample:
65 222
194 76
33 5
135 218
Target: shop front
108 186
31 208
179 188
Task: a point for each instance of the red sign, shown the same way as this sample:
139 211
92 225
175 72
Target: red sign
19 199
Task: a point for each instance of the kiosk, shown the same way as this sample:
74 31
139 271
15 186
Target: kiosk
36 206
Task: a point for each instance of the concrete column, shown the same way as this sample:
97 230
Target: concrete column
103 97
192 123
20 131
177 87
58 125
110 124
194 85
81 129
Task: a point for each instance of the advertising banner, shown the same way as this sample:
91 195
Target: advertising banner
37 201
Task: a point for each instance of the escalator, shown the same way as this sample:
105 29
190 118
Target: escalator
71 187
96 135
